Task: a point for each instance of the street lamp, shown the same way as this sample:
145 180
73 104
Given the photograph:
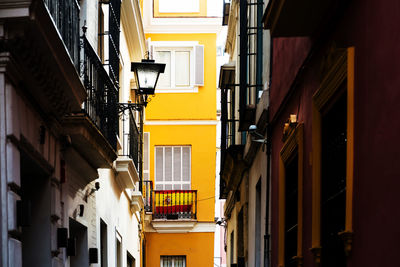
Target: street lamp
146 74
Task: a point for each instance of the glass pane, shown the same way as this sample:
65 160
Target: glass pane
186 164
177 187
164 80
182 68
168 164
159 187
186 187
177 164
159 164
168 187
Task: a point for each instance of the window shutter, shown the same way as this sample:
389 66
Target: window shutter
199 65
177 164
159 164
185 164
168 164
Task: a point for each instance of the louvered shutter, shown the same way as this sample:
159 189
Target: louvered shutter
199 65
159 165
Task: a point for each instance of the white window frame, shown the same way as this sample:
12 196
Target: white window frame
179 6
173 182
174 46
173 260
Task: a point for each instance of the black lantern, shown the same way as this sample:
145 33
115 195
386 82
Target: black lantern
146 74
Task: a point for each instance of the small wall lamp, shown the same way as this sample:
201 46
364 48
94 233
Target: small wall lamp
253 132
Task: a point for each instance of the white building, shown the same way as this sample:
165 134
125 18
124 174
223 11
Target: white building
66 172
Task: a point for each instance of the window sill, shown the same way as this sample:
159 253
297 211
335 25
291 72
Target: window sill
194 89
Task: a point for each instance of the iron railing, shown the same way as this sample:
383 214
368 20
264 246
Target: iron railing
65 14
113 35
174 204
101 104
147 193
130 140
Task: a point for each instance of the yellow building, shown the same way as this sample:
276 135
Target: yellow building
180 134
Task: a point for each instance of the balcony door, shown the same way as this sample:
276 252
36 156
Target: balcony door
172 167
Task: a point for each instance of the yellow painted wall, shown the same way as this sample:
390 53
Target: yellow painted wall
194 107
202 140
202 13
188 106
200 253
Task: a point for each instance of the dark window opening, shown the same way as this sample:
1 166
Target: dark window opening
103 243
130 260
291 220
333 182
100 42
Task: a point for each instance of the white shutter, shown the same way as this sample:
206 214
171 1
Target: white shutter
159 164
168 164
177 164
186 164
199 65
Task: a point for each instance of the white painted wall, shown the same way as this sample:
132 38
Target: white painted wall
113 206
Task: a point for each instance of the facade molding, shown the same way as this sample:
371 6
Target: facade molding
178 25
182 122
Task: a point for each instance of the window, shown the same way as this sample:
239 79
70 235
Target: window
130 260
179 6
118 249
291 197
258 223
184 69
103 244
333 161
100 42
173 261
172 167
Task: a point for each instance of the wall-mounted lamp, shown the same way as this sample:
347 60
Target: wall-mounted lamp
289 126
91 191
221 222
146 74
253 132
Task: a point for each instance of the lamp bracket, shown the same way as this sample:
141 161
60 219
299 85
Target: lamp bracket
131 106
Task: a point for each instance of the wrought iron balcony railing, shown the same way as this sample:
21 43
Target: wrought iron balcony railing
65 14
101 104
131 138
147 193
174 204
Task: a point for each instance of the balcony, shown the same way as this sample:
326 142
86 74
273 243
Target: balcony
42 42
174 204
231 139
291 18
129 157
172 211
169 211
65 15
93 131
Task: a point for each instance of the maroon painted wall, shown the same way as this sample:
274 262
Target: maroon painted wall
373 28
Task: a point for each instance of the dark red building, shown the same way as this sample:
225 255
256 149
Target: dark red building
334 129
